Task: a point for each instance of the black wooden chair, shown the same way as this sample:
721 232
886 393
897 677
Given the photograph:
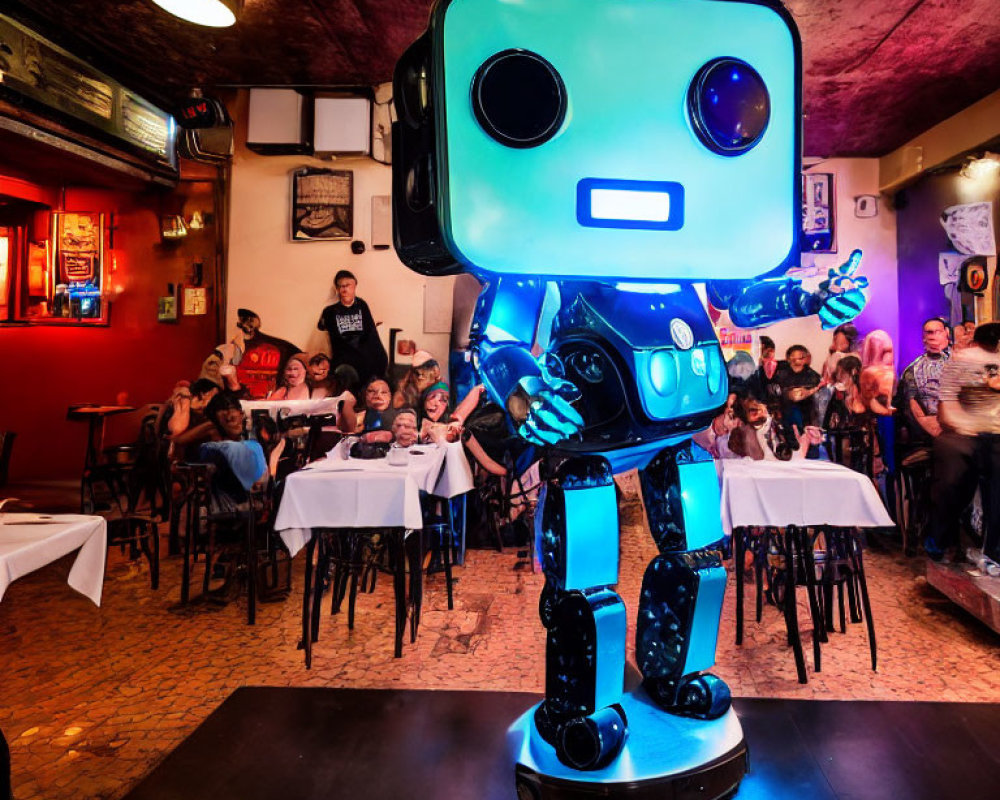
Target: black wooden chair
818 559
131 475
6 447
243 532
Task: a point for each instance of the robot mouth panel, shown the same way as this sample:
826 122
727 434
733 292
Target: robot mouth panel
647 205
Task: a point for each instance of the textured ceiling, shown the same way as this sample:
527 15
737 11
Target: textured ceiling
876 72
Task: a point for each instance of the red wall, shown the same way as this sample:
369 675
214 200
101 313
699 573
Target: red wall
135 360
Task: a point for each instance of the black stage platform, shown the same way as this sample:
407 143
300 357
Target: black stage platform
326 744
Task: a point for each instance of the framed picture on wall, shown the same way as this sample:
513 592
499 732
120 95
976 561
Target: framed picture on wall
322 204
818 213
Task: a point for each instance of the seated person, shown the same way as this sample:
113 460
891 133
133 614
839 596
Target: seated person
188 405
799 383
322 382
347 379
184 421
294 383
436 424
878 373
241 461
211 369
740 369
848 415
404 427
759 438
424 371
715 438
847 408
376 425
763 384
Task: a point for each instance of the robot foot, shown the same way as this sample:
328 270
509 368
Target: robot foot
700 696
585 743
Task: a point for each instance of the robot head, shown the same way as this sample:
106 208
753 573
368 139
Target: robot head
637 139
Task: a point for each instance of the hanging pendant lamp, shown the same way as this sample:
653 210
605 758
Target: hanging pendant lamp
211 13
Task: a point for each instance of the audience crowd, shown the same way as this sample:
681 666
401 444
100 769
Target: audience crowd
941 418
318 398
940 422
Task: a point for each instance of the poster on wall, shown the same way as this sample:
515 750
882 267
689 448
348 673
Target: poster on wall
78 247
817 213
195 301
970 228
322 204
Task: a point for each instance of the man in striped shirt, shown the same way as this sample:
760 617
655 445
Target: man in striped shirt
967 450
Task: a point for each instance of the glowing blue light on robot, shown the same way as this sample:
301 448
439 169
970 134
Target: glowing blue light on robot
626 205
663 372
698 362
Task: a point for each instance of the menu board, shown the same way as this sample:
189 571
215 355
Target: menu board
36 68
145 125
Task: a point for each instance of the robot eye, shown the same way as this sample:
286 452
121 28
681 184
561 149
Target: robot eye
729 106
519 98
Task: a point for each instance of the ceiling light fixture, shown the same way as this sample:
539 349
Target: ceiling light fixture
976 168
211 13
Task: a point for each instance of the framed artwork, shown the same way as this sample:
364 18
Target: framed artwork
818 213
78 247
76 282
322 204
195 301
166 308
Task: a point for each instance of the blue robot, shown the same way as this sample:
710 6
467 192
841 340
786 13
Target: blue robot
590 161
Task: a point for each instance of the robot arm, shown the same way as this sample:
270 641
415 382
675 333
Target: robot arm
839 299
535 397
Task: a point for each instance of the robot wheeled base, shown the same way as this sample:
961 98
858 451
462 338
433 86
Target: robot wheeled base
666 757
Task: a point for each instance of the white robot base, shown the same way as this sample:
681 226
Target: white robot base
664 756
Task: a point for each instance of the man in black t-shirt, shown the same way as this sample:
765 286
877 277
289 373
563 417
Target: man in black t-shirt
354 338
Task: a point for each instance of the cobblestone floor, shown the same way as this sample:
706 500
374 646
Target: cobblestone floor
92 699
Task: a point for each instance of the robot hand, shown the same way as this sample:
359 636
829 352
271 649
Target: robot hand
541 406
842 295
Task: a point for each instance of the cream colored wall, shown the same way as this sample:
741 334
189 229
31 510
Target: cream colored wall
288 283
875 236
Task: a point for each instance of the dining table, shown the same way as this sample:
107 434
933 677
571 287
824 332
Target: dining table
788 499
341 494
29 541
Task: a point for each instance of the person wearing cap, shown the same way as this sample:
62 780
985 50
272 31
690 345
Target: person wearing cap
424 371
353 333
436 424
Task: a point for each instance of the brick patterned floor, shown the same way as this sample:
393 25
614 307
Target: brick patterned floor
92 699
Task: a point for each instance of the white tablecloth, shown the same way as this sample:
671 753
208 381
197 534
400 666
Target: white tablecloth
27 545
801 492
293 408
368 493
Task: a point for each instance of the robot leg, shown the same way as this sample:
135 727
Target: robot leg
683 587
585 647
